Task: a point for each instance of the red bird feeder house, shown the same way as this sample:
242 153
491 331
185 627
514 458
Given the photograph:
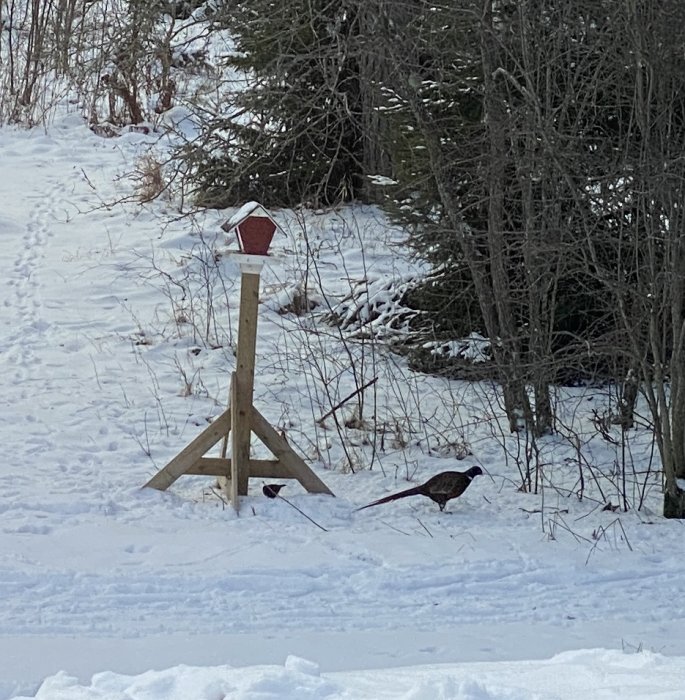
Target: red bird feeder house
254 227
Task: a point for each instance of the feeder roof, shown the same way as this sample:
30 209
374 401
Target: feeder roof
248 209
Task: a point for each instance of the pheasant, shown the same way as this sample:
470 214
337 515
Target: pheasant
439 488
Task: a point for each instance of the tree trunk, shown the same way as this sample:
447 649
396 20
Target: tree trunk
628 399
373 73
674 503
516 402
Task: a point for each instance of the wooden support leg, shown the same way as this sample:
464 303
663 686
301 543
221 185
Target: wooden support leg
191 453
279 446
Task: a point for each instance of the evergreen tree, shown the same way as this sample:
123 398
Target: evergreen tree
296 134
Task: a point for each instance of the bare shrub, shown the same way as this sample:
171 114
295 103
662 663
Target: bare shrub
148 179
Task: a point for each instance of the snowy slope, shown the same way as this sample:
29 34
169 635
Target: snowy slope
105 380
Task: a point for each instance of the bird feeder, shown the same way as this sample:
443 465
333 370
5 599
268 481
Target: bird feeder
254 228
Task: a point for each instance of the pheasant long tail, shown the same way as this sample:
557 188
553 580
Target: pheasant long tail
415 491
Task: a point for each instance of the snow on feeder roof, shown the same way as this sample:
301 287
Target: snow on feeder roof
254 226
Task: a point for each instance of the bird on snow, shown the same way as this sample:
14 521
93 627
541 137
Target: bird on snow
440 488
271 490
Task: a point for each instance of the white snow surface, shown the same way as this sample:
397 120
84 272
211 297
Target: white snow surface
111 591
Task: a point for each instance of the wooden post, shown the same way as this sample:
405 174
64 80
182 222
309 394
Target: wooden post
233 486
243 378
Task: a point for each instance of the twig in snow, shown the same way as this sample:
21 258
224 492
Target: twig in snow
602 533
292 505
531 511
340 404
87 179
625 535
559 522
430 534
217 493
396 529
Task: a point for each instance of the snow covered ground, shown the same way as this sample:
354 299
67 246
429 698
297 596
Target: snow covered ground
598 675
111 591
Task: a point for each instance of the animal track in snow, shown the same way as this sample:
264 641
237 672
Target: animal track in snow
24 302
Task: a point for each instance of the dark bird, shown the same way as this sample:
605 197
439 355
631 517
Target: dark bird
440 488
271 490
